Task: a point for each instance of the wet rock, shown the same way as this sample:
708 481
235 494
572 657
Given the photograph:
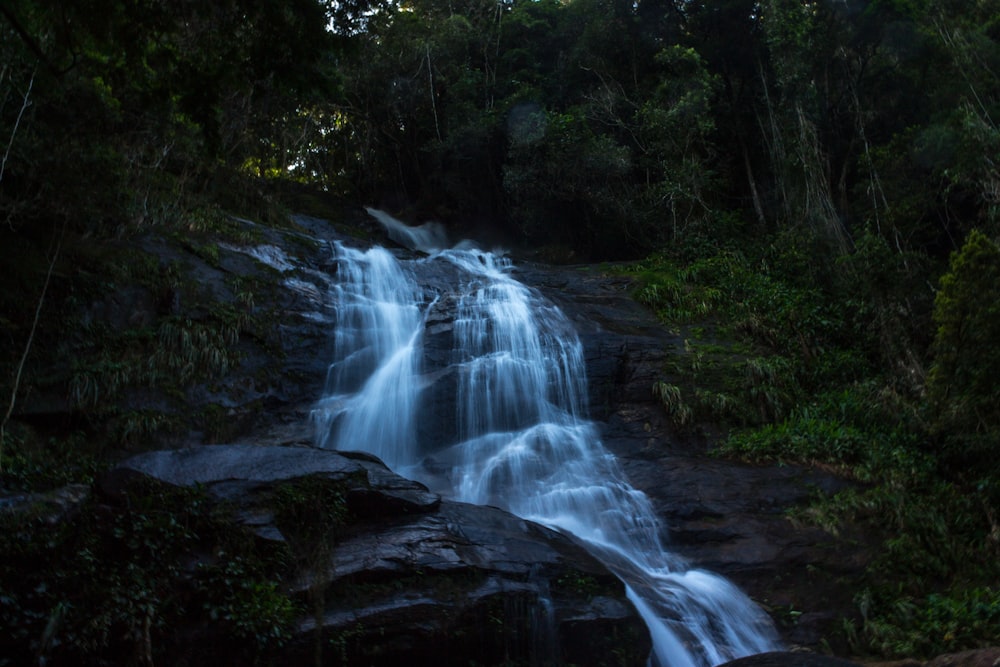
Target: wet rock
412 579
479 584
726 517
129 307
986 657
782 659
232 471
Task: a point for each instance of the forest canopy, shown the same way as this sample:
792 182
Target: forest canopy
609 126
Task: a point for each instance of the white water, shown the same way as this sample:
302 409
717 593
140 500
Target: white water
524 441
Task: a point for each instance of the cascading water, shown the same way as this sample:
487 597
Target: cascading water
523 439
371 394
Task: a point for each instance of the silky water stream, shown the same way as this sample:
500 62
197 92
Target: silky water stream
521 439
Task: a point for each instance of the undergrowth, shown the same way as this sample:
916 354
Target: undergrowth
821 365
114 584
754 343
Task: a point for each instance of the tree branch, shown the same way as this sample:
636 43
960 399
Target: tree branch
27 345
33 45
25 103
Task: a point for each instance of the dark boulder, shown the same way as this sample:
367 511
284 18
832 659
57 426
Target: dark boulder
784 659
984 657
409 578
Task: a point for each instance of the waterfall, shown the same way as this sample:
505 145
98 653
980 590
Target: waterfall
522 438
371 396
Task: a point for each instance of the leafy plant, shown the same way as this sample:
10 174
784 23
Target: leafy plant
932 590
670 396
117 582
311 512
802 439
38 464
962 386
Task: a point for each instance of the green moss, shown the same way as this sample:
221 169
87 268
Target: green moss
311 511
585 585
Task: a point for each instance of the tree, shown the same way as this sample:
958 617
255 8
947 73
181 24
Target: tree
135 99
676 123
568 184
962 385
801 90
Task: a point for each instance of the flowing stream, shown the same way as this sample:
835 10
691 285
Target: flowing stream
513 371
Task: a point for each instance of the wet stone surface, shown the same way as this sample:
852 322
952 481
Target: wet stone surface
412 578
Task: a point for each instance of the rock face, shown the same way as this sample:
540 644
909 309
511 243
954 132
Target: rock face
987 657
789 660
412 579
727 517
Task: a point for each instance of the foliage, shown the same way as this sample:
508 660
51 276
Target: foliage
586 585
799 357
938 623
563 177
763 341
114 583
805 117
962 385
670 396
36 464
852 427
145 332
311 511
167 354
932 589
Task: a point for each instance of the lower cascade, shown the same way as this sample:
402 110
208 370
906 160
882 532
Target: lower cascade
516 434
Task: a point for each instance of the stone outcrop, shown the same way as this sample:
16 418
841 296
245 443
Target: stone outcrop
782 659
411 578
986 657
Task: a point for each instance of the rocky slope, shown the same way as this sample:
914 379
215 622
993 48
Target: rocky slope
428 569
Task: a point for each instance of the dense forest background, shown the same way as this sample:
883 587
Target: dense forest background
815 182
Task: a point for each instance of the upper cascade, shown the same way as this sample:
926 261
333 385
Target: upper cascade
428 238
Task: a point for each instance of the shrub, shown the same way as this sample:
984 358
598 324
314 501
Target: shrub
962 387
